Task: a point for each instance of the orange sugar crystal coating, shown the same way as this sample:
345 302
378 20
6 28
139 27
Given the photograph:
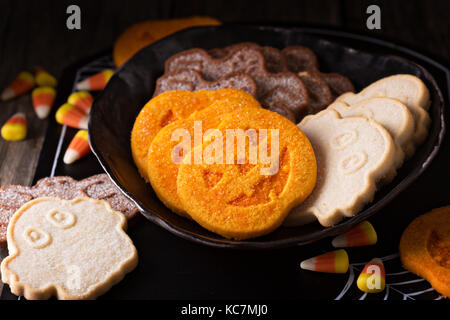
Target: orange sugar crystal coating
166 108
161 168
236 200
425 248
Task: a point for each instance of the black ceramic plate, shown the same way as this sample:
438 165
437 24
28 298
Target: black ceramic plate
362 59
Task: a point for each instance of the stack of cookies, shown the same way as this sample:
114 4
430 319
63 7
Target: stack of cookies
180 144
361 140
97 187
286 81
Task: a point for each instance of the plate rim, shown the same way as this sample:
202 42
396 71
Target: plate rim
316 235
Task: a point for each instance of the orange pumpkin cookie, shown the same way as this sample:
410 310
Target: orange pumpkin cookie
164 109
251 191
425 248
166 151
144 33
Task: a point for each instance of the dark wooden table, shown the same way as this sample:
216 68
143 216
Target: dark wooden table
34 33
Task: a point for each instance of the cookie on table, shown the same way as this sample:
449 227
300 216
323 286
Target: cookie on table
98 187
247 197
75 249
337 83
274 60
162 168
425 248
406 88
353 155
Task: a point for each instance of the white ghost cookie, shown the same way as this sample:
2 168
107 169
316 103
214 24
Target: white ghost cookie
73 249
393 115
406 88
352 154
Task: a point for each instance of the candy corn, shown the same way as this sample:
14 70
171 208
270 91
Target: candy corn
331 262
78 147
71 116
96 82
23 83
372 279
82 100
361 235
15 128
43 99
43 78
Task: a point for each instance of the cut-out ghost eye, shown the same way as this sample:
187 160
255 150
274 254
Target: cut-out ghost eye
353 162
37 238
344 139
61 219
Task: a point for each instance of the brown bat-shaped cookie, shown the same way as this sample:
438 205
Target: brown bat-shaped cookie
300 59
249 61
191 80
320 95
274 60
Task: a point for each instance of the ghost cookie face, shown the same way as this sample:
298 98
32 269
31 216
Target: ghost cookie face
353 154
73 249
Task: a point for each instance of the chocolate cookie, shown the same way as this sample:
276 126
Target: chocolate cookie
338 84
320 94
251 62
300 59
101 187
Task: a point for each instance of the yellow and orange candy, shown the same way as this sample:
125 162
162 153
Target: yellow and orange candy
23 83
82 100
44 78
96 82
363 234
15 129
71 116
330 262
78 147
43 99
373 278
